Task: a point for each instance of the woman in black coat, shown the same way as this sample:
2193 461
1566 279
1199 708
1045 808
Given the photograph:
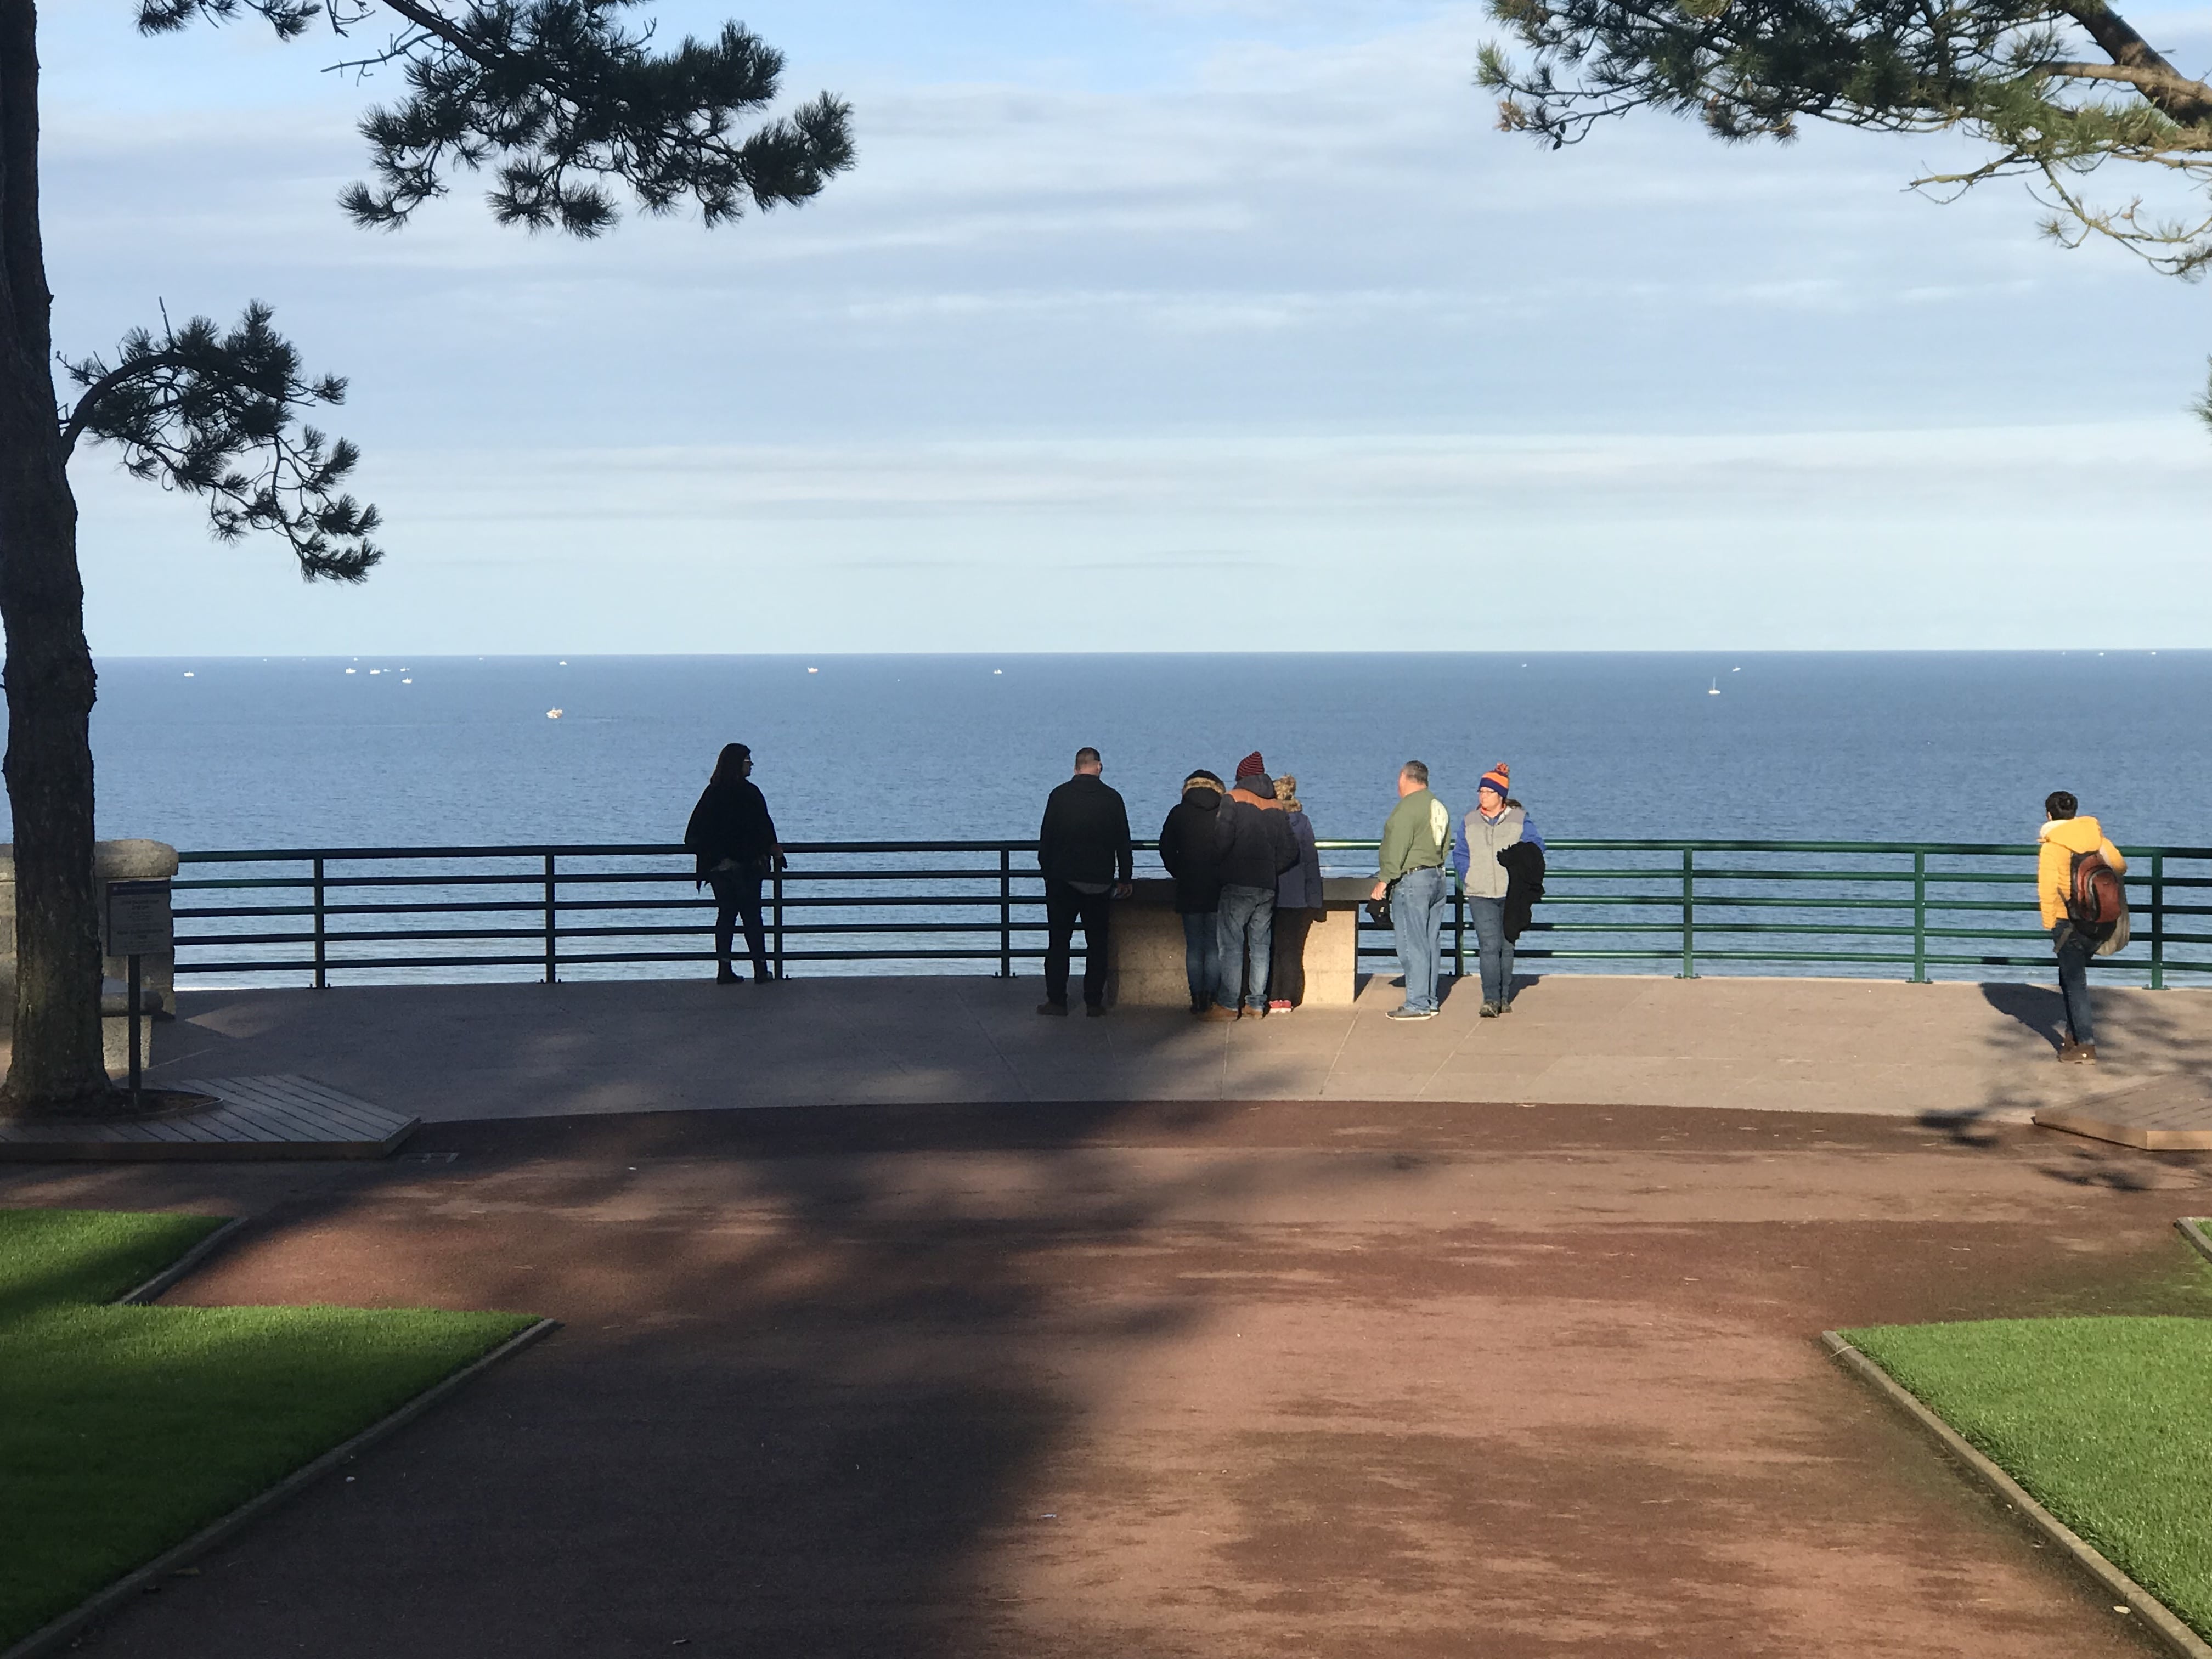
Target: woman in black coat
732 841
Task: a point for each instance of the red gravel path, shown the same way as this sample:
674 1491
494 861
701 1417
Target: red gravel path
1392 1380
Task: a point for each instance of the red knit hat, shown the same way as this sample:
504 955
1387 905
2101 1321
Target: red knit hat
1251 766
1498 778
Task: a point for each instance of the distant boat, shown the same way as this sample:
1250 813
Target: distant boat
552 714
1714 690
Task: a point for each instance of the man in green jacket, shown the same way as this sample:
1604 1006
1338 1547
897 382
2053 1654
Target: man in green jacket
1416 843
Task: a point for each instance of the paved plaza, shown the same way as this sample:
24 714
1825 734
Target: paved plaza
1322 1335
446 1053
1355 1380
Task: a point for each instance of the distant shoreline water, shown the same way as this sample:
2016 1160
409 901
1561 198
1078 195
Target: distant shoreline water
243 753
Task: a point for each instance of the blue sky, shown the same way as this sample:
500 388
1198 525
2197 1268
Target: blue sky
1157 325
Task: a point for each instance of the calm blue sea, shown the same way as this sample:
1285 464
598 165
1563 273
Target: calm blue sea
225 752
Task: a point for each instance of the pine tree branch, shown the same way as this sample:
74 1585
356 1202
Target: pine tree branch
2179 95
216 414
2119 39
88 406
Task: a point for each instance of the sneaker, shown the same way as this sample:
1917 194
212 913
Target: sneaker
2085 1054
1094 1010
1505 1008
727 976
1060 1008
1490 1011
1280 1006
1215 1010
1411 1013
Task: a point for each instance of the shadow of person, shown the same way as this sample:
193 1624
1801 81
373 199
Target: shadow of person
2038 1007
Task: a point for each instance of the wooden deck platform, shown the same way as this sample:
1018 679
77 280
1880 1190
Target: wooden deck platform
2167 1114
285 1116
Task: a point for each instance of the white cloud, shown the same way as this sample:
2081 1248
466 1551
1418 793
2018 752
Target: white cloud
1283 300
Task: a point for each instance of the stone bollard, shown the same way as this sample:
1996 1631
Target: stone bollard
111 860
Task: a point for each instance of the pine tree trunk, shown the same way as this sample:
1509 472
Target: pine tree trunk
56 1065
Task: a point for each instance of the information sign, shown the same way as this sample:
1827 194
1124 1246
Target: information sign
137 921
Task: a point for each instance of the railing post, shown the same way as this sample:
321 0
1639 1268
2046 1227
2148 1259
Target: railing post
322 957
1689 916
1006 913
552 946
1920 918
778 894
2158 921
1459 929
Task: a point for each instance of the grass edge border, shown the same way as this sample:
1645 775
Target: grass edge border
2161 1619
2191 1228
58 1632
140 1296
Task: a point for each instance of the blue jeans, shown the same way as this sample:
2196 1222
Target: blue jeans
1417 918
1493 948
1201 948
1247 927
2074 949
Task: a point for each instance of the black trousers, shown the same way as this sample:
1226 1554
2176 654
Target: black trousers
739 896
1064 906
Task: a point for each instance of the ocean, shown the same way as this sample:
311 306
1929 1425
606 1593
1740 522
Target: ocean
265 753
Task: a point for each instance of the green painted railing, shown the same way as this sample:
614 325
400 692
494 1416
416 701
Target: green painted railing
1845 905
1688 906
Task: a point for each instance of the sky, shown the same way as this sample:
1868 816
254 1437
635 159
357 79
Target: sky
1148 324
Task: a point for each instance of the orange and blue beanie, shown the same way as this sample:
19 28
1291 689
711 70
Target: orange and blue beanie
1498 778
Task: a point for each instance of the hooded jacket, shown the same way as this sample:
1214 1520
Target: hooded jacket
2061 839
1257 845
1191 844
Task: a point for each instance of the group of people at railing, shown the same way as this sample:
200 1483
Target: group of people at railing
1248 885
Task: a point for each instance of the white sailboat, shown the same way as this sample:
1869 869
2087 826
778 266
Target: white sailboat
1714 690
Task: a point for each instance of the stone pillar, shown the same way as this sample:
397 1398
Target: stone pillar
111 860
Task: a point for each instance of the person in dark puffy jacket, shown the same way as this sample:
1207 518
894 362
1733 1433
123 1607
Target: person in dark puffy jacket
1190 845
1298 904
1257 848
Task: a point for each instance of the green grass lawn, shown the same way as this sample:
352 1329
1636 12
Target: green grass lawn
2107 1421
123 1430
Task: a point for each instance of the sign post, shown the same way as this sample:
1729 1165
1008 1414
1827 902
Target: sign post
135 923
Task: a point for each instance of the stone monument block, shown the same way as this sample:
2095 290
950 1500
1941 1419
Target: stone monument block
1145 956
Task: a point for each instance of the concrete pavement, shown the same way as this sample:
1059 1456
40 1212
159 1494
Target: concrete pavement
452 1053
1390 1380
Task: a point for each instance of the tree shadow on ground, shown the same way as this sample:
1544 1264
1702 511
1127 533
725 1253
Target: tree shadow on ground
821 1376
2152 1045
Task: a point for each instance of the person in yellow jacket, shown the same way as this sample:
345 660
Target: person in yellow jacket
2065 834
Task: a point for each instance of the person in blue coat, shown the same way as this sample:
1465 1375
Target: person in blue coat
1298 904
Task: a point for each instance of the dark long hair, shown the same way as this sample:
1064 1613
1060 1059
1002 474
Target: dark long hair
726 764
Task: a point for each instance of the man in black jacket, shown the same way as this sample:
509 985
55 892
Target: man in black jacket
1190 845
1084 852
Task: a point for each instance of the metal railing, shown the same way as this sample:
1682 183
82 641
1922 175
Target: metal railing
1687 907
